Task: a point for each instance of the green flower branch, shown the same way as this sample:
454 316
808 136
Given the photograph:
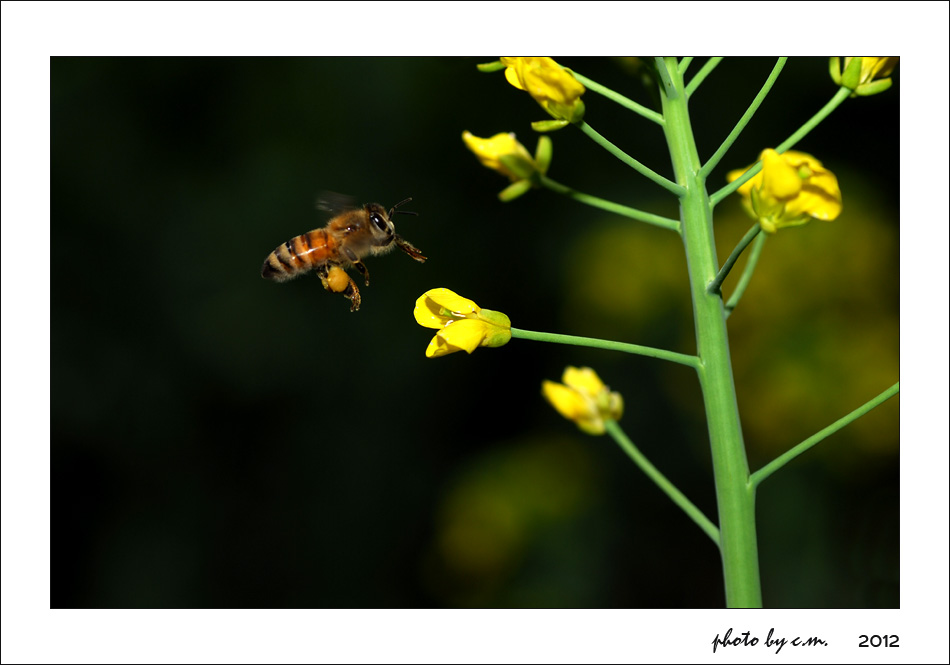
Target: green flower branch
756 478
744 120
628 160
629 104
701 75
716 284
593 343
687 506
610 206
746 277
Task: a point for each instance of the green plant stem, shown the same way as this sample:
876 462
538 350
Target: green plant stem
798 135
628 160
684 64
811 441
639 109
662 354
735 496
694 513
716 285
746 273
669 89
744 120
701 75
610 206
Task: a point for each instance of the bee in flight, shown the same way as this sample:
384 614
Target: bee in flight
343 242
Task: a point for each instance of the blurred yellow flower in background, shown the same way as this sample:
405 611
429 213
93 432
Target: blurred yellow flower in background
584 399
791 189
462 325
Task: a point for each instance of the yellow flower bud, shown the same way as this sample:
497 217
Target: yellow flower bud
865 75
490 152
504 154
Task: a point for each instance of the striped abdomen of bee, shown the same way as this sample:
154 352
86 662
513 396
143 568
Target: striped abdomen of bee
299 255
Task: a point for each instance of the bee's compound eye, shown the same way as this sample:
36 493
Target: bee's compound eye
377 219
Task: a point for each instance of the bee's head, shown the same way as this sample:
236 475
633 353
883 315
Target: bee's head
381 224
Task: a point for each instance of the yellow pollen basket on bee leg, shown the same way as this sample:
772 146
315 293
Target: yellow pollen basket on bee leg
337 279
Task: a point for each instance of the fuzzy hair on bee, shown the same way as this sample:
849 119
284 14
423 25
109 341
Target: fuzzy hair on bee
342 243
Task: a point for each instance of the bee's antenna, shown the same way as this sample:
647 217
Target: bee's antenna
393 211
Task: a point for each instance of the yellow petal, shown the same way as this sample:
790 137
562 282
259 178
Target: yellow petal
552 86
438 347
427 312
820 195
815 201
746 188
465 335
490 151
780 180
876 68
452 302
437 307
512 75
583 379
569 402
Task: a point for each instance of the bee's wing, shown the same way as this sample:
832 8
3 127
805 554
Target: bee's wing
333 203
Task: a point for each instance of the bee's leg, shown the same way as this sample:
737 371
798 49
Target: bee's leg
408 248
363 271
353 294
355 260
323 273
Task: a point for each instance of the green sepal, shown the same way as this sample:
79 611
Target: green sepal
834 68
852 75
873 88
578 113
514 190
543 154
496 66
521 167
754 202
549 125
499 319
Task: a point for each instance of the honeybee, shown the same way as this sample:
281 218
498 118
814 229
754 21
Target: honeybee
343 242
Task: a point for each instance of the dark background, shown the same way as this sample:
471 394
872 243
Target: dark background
222 441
